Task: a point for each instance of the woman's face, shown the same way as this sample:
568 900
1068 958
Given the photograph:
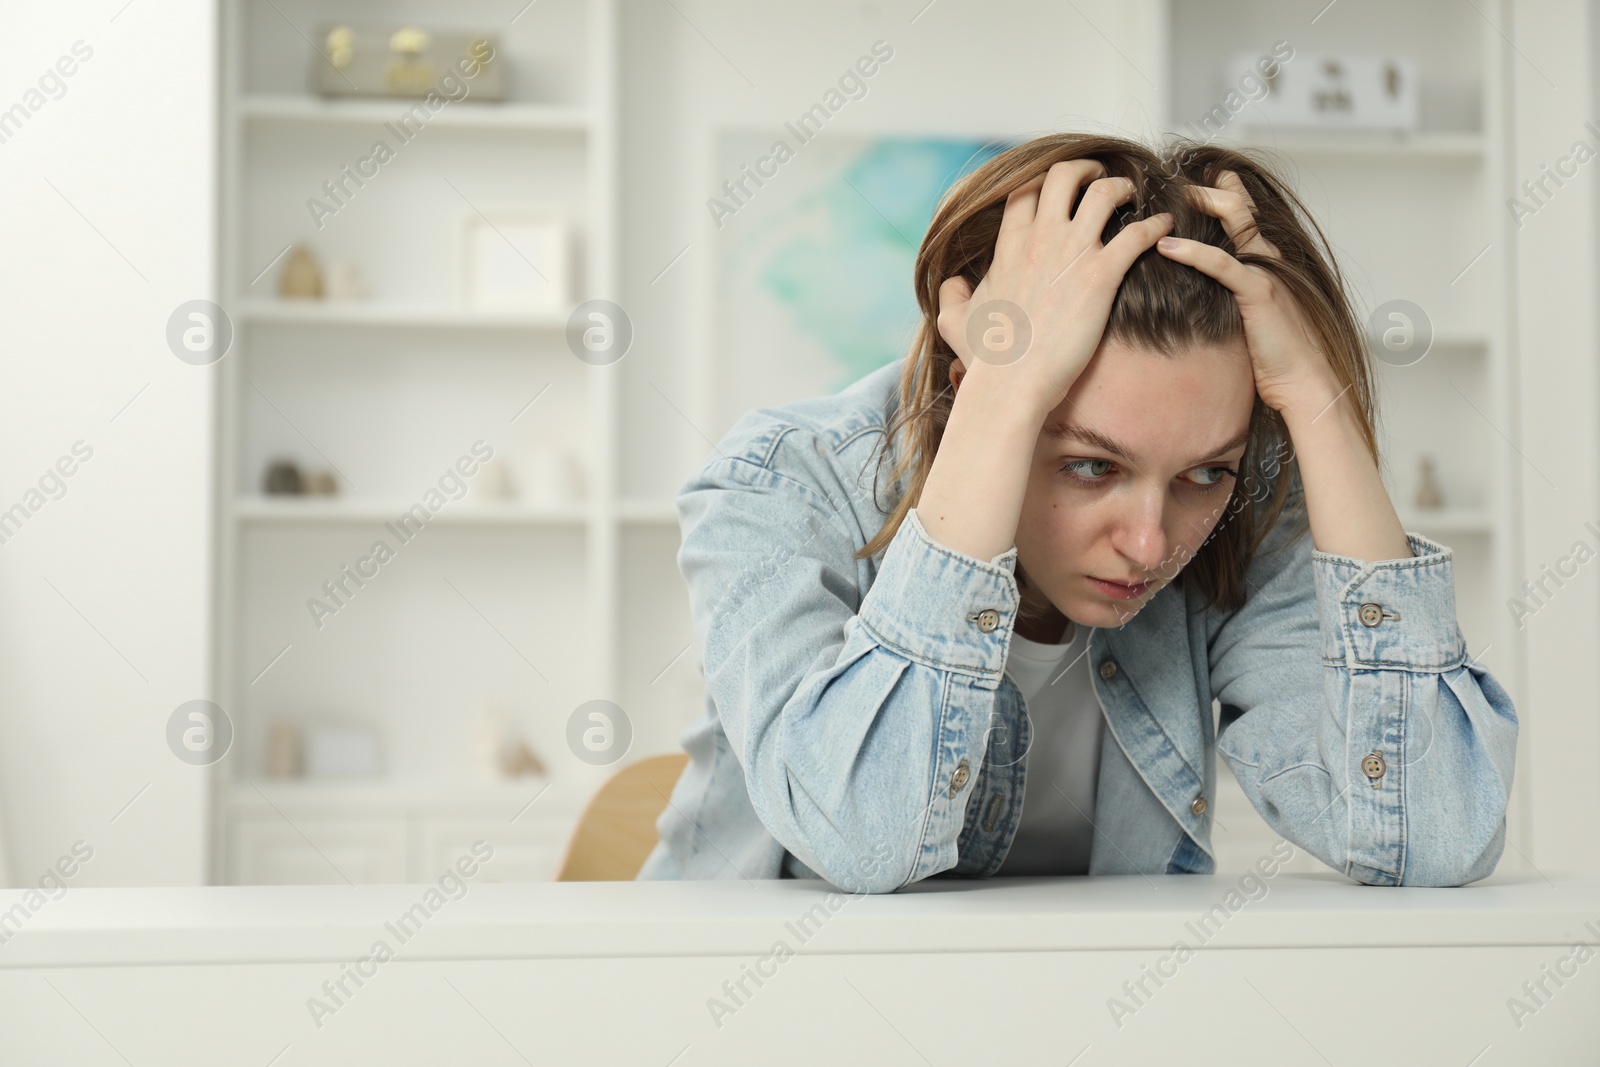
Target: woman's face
1128 476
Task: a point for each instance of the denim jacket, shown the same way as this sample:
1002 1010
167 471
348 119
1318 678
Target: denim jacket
859 726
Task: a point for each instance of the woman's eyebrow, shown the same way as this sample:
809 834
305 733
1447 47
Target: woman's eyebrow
1060 430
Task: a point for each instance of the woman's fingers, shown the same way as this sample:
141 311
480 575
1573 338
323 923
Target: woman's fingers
1022 204
1211 260
1061 184
1231 202
1095 211
1134 240
1036 212
1229 181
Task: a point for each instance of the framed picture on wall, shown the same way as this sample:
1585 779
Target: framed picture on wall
515 259
812 276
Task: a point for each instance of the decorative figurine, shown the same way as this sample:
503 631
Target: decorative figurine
521 760
1429 496
489 727
283 749
551 476
342 280
301 278
321 483
282 479
494 479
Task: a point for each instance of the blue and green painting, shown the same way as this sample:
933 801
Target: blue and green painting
818 260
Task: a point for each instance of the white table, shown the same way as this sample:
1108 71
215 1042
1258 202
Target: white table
1314 969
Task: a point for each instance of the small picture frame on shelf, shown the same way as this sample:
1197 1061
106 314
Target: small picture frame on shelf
515 259
341 751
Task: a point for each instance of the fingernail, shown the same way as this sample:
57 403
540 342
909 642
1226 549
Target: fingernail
1165 215
1167 243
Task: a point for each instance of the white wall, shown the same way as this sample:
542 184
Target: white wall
1558 277
108 225
691 67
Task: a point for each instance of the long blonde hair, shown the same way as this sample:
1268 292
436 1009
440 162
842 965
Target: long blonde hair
1161 305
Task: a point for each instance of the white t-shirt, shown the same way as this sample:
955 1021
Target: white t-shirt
1056 832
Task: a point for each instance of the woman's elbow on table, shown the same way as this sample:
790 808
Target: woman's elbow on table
856 858
874 876
1455 860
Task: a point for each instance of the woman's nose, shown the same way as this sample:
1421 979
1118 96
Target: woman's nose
1141 533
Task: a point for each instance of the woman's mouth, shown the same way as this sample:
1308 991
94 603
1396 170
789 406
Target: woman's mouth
1121 590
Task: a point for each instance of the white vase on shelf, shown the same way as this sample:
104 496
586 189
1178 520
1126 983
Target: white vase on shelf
341 280
494 481
551 477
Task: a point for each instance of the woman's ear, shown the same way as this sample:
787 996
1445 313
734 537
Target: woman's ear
955 294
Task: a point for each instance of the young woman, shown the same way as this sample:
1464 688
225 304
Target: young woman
1133 470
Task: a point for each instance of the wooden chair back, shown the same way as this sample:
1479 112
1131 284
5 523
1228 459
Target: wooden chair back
617 829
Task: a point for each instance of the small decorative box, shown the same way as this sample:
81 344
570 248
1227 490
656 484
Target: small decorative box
407 62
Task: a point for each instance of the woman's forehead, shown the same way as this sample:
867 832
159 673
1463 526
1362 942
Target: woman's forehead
1147 406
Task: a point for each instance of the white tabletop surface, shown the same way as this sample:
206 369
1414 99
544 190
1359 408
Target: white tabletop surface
89 926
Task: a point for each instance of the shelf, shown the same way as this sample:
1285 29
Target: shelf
1461 345
506 794
397 314
1461 340
1448 520
289 509
462 115
1367 144
260 509
647 510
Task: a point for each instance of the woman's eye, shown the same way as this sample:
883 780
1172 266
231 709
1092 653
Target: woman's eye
1094 472
1207 476
1085 469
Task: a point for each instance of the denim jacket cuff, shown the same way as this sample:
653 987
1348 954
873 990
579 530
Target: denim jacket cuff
931 604
1392 614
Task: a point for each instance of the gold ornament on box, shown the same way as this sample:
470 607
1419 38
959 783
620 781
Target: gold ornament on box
407 71
341 46
408 61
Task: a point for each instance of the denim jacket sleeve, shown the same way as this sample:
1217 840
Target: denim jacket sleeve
1355 722
850 712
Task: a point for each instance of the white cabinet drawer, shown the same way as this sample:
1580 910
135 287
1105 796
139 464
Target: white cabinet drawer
525 851
316 851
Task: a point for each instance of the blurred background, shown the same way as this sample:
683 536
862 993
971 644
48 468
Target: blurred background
355 351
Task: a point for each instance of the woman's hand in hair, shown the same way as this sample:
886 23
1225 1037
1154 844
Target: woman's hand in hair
1287 359
1347 503
1037 316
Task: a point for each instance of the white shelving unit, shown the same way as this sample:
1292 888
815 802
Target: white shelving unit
539 608
393 313
300 109
496 603
1418 216
1423 145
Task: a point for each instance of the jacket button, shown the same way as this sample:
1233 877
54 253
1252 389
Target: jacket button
1199 806
987 619
959 778
1371 614
1373 767
1108 670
